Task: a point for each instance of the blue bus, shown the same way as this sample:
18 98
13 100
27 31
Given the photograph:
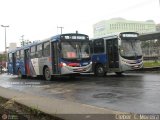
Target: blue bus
116 53
65 54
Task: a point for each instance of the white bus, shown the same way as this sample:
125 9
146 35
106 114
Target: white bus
116 53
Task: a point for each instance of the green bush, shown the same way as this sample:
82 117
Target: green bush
151 63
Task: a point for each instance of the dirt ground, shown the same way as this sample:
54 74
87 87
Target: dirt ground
10 110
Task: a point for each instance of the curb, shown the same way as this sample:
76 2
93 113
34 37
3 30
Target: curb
58 108
148 69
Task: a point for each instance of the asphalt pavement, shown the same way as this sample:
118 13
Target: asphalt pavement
131 92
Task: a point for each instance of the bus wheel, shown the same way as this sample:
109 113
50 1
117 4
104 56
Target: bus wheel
99 71
119 73
47 74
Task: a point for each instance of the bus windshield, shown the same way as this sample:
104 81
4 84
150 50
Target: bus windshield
130 48
75 50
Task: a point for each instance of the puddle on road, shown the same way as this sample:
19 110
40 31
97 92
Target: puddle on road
105 95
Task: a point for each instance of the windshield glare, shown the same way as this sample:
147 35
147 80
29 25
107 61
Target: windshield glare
130 48
75 50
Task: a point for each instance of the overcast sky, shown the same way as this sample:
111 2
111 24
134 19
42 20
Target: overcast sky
38 19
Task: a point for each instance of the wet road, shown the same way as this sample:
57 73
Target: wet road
131 92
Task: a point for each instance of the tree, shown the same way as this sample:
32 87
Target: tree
3 59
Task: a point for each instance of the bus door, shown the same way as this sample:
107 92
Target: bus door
55 57
14 62
112 51
26 61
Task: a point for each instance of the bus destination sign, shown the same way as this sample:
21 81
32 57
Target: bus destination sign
74 37
129 36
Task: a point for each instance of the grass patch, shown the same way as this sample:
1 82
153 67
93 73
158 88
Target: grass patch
151 63
15 111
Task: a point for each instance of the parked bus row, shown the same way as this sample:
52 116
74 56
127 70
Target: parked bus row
72 54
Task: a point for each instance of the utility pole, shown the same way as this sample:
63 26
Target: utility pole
5 26
22 43
60 28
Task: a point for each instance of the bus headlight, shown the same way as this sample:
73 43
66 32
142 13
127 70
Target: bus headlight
62 64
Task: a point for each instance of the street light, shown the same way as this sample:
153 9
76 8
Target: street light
5 26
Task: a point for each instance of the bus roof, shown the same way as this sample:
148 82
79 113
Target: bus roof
112 35
53 38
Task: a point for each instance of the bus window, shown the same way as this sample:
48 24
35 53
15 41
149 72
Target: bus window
21 54
39 51
91 46
10 57
33 50
18 55
98 46
46 50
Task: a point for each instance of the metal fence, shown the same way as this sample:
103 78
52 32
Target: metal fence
151 49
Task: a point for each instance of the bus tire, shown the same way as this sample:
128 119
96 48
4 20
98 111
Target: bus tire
119 73
47 74
99 70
